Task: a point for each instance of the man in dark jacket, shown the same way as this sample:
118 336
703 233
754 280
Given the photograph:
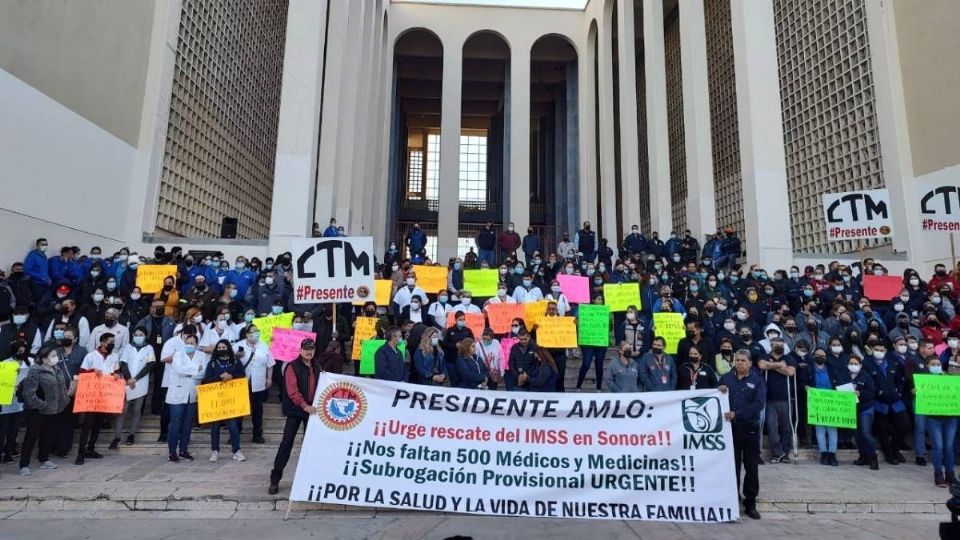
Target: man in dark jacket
729 250
587 242
530 245
416 240
521 363
748 394
300 379
486 244
454 335
634 243
19 283
388 361
891 422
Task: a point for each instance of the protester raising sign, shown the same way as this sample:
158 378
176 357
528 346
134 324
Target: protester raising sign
594 325
223 400
99 393
480 282
332 270
533 312
621 296
831 408
557 332
366 328
285 343
670 327
266 325
937 395
501 316
657 456
150 276
368 350
431 278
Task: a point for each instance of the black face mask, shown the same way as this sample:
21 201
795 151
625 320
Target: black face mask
158 312
223 355
110 323
65 342
109 347
691 334
370 313
745 338
726 352
903 324
778 349
820 360
201 287
168 287
657 350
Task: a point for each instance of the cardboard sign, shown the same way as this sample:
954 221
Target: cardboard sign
670 327
99 393
620 296
8 381
534 311
501 316
267 324
475 322
857 215
431 278
366 328
593 326
368 353
506 344
882 288
831 408
333 270
481 282
223 400
383 288
576 288
150 276
937 395
285 344
557 332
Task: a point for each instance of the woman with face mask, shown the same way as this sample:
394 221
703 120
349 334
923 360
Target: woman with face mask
17 362
866 392
187 369
556 295
224 367
134 308
258 363
170 297
942 430
428 359
231 301
135 365
45 393
489 350
94 308
823 376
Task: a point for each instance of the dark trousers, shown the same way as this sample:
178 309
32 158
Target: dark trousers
746 453
164 413
90 431
891 429
286 446
63 439
257 399
452 373
560 357
40 427
9 426
595 356
158 393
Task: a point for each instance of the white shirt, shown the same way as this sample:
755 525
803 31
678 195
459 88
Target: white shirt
417 316
492 354
186 374
439 313
523 296
258 367
135 361
94 361
170 348
83 327
119 331
472 308
563 305
212 336
505 300
404 294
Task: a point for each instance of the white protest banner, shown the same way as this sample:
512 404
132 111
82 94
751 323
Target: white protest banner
858 214
333 270
939 206
663 456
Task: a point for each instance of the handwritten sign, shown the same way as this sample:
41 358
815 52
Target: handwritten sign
937 395
620 296
368 353
506 344
431 278
8 381
475 322
99 393
593 325
882 287
268 323
557 332
831 408
534 311
481 282
670 327
150 276
285 344
576 288
501 316
366 328
223 400
382 290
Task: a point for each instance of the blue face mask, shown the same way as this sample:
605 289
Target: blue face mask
808 293
58 334
518 271
527 283
189 349
733 279
276 310
935 370
139 340
249 317
456 266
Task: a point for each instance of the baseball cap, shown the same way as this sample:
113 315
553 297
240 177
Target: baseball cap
308 344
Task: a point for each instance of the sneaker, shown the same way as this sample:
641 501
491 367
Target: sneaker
238 456
79 460
922 461
775 459
93 454
752 513
130 440
186 456
49 465
162 438
273 489
173 458
24 471
785 459
114 444
258 440
214 456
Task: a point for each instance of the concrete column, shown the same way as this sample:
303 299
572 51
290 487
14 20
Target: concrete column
586 187
349 79
608 172
701 203
658 141
448 217
629 146
364 125
299 125
519 195
332 108
760 123
378 178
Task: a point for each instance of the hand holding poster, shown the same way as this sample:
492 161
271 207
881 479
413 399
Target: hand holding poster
331 270
99 393
150 276
937 395
285 343
831 408
501 316
533 312
576 288
368 350
664 456
594 325
223 400
557 332
480 282
266 325
620 296
431 278
366 328
670 327
8 381
476 322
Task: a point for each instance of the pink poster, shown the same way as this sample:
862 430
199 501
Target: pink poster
577 288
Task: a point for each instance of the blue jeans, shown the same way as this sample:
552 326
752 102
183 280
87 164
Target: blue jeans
233 427
827 439
485 255
592 355
865 440
181 422
942 431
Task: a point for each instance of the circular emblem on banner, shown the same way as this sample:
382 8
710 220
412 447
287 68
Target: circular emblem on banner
342 406
885 230
363 291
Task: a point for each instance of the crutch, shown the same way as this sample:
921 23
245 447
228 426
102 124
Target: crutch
794 412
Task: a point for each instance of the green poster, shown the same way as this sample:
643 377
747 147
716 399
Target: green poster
831 408
368 349
593 325
937 395
481 282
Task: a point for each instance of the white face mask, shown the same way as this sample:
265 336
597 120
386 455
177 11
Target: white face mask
730 327
221 324
98 298
952 343
741 315
411 282
268 280
913 346
134 297
914 282
902 349
53 360
836 349
879 355
19 319
197 318
854 368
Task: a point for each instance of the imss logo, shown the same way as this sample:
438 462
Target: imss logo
703 421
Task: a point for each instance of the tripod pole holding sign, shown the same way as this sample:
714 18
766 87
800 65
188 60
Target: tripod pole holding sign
334 306
953 253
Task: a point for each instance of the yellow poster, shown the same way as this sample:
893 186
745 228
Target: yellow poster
557 333
431 278
366 328
534 312
670 327
150 276
382 296
268 323
223 400
621 296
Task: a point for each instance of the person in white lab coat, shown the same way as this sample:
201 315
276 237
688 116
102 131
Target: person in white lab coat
258 364
136 362
186 370
104 361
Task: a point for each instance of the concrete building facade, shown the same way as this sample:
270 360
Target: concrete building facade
145 122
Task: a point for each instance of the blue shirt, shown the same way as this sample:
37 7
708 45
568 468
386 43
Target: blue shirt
747 396
821 378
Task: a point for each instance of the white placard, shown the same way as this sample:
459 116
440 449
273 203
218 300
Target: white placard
333 270
858 215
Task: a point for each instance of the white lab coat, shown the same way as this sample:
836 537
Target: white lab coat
186 373
257 367
135 361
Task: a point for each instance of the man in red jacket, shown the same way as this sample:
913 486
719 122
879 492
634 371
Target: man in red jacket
940 278
508 241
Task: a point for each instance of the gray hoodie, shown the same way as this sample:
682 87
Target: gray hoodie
52 384
622 378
